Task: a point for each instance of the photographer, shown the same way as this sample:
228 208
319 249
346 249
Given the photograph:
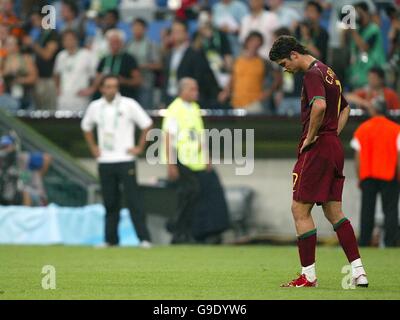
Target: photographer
366 47
310 32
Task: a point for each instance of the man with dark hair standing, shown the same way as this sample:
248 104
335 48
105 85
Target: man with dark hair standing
148 56
377 145
115 118
310 32
318 174
184 61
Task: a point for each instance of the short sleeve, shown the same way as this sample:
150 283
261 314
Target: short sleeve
314 87
89 120
139 116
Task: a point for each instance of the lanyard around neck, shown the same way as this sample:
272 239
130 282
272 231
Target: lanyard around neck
116 114
116 66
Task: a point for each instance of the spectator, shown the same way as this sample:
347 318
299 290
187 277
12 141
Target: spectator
394 46
97 27
19 73
227 16
215 45
184 61
74 68
112 21
115 118
45 49
310 32
188 165
261 20
246 87
366 48
95 39
287 16
118 63
364 97
9 18
70 19
377 145
4 33
147 54
339 52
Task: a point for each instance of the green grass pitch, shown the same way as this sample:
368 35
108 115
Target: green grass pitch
188 272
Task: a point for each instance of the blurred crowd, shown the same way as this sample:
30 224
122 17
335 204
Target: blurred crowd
223 44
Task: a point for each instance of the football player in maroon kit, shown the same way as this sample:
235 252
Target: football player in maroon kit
318 174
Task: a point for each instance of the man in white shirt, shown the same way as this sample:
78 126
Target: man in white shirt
74 68
263 21
115 118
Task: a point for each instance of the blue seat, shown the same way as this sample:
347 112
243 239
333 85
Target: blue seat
155 28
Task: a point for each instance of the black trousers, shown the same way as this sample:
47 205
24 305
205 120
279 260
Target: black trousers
389 191
188 197
117 180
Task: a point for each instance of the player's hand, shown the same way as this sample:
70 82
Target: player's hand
307 143
135 151
173 172
95 151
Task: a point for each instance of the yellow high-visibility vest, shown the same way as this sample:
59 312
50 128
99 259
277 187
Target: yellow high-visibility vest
190 134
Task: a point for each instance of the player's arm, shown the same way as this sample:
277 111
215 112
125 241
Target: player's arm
317 116
142 141
94 149
87 126
343 117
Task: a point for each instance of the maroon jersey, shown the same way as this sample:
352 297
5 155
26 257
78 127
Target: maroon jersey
320 82
318 173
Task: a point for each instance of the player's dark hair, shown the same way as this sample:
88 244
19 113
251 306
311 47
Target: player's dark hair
316 5
362 6
378 71
140 21
106 77
283 46
254 34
